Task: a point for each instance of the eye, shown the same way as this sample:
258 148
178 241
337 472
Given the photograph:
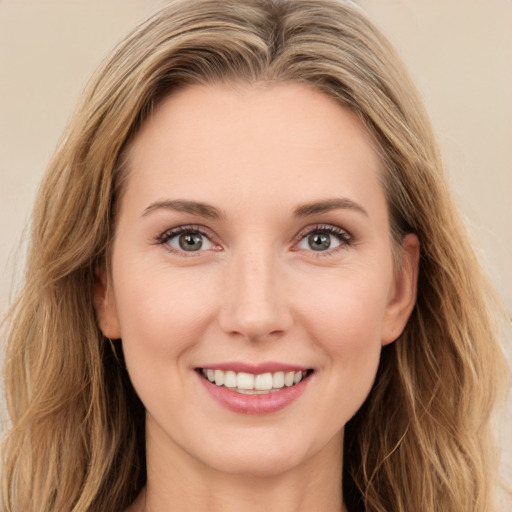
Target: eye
186 239
324 238
189 242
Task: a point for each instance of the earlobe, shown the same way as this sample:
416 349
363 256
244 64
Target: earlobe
105 306
403 297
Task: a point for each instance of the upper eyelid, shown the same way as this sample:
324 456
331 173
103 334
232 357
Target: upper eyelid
193 228
330 228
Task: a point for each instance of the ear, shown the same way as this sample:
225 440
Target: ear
105 306
403 292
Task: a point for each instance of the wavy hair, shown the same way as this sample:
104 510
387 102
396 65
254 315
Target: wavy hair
422 439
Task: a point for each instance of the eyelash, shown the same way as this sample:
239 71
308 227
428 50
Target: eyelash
344 237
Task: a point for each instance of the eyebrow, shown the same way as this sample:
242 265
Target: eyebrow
180 205
209 211
318 207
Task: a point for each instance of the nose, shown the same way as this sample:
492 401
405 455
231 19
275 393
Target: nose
255 305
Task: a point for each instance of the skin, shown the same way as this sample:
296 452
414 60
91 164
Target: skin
256 291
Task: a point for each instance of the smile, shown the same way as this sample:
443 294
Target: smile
247 389
250 384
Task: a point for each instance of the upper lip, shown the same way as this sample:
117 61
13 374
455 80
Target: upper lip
256 369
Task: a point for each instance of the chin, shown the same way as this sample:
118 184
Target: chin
261 464
272 456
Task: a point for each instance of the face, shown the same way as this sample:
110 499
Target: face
252 276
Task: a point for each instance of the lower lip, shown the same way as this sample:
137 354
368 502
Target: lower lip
255 404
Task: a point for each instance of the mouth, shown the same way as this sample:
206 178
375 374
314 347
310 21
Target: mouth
254 384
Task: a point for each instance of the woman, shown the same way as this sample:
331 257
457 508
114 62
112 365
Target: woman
247 284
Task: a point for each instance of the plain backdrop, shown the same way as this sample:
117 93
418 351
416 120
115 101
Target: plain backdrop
458 51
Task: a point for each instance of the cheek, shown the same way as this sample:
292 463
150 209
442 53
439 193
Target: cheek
347 310
162 313
346 325
163 317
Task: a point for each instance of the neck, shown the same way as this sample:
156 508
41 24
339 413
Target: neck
176 481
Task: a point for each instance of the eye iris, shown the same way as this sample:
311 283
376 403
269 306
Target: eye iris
191 242
319 241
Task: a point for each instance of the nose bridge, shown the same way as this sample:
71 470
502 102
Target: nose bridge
254 306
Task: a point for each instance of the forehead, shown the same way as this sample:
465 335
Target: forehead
286 139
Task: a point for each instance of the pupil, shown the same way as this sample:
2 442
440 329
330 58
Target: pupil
319 241
191 242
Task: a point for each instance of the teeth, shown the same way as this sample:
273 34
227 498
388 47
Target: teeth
244 380
250 384
288 380
230 379
278 380
219 377
263 382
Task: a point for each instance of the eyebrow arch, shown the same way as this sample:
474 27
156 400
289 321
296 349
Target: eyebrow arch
317 207
181 205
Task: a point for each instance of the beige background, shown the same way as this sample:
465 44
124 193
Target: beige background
459 52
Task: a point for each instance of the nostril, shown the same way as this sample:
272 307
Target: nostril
255 326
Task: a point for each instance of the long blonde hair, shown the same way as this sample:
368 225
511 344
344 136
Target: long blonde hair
421 441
